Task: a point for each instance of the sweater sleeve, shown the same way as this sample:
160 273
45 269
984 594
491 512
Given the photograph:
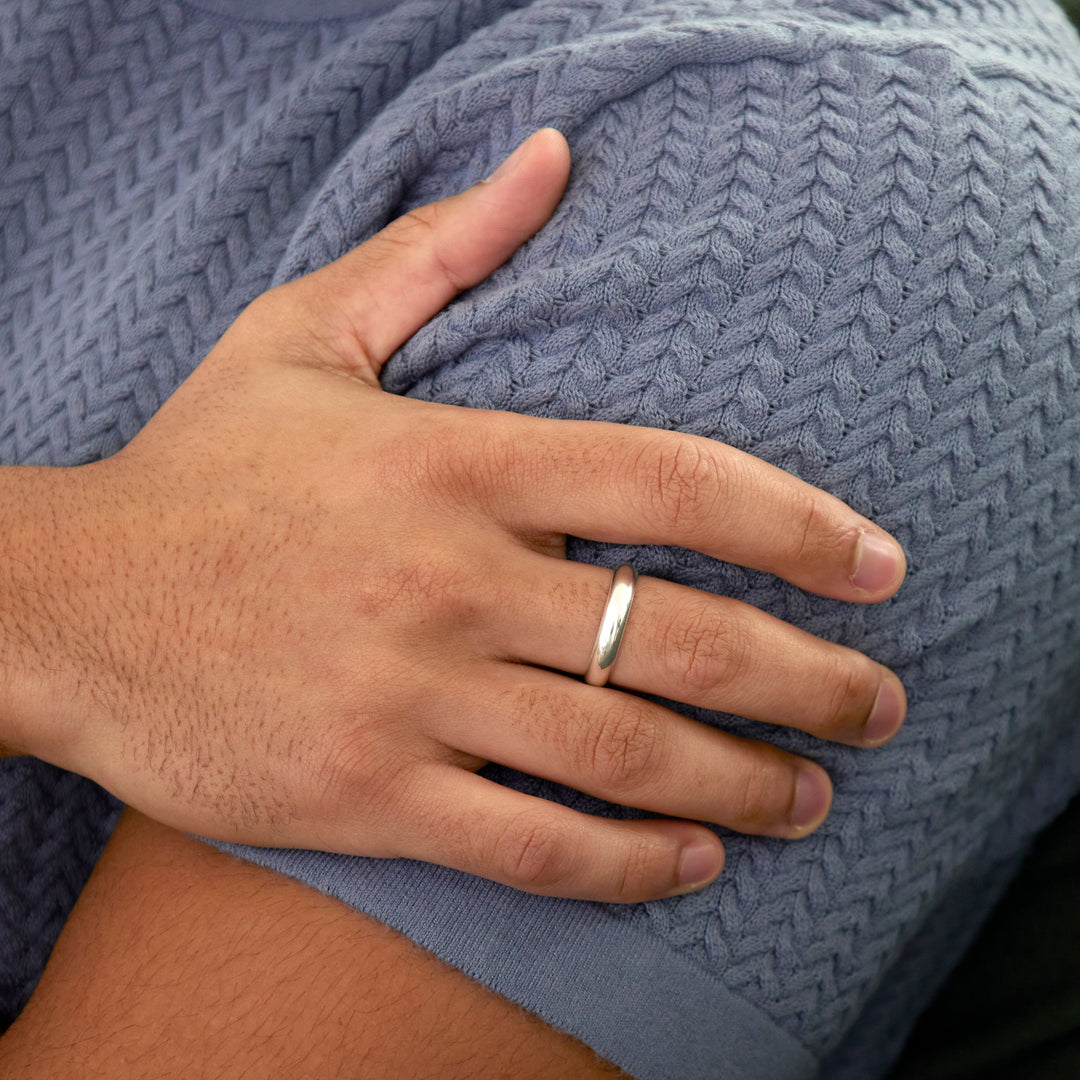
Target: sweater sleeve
839 236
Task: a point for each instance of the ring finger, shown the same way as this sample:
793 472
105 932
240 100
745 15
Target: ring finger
700 649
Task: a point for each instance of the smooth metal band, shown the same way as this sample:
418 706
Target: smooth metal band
612 625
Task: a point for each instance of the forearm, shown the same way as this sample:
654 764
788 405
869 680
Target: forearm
178 959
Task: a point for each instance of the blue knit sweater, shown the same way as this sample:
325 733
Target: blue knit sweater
843 235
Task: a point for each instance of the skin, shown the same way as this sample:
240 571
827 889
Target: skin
179 960
298 611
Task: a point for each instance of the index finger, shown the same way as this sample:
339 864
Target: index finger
620 484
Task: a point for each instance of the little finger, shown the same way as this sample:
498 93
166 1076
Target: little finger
543 847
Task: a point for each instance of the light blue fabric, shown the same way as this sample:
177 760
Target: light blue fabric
357 11
843 236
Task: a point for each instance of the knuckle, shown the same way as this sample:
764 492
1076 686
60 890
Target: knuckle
442 590
816 536
336 771
422 468
421 228
622 750
850 694
414 227
451 467
683 480
343 777
764 794
423 462
706 655
809 530
532 853
495 460
420 224
638 872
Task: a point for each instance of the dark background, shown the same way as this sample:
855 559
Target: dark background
1011 1010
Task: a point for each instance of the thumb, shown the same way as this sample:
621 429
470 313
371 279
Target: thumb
377 296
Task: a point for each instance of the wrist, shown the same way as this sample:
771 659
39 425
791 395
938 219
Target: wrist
43 538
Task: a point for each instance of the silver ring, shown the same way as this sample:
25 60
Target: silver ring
612 625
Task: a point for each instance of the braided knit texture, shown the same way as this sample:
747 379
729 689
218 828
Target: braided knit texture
842 235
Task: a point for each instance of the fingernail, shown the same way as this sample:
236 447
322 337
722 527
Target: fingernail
876 562
508 166
887 713
701 861
812 797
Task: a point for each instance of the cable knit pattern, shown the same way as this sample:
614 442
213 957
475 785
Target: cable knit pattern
839 235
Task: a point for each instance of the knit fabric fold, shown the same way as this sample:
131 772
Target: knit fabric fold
840 236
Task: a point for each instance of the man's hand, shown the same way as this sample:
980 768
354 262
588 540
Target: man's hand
298 611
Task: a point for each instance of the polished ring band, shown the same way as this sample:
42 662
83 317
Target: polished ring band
612 625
